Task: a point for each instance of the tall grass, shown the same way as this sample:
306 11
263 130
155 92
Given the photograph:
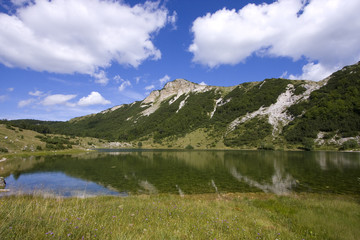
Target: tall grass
231 216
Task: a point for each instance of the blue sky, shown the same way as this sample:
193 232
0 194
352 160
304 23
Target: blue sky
61 59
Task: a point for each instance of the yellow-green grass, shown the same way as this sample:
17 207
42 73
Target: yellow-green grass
230 216
21 141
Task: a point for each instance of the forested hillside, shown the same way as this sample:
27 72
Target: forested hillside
267 114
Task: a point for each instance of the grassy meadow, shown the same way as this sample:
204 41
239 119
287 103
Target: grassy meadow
230 216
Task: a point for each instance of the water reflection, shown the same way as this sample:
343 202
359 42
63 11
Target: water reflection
56 185
189 172
279 185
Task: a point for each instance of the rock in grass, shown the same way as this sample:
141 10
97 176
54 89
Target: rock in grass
2 183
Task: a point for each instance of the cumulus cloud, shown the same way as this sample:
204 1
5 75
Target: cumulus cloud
124 84
326 33
10 89
203 83
27 102
82 36
164 79
56 99
313 71
94 98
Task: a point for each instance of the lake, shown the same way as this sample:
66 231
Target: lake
131 172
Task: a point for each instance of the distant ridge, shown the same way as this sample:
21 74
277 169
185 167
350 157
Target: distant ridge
273 112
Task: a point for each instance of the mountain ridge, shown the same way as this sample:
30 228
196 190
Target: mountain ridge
280 112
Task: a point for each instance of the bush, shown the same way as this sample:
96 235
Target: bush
4 150
189 147
10 127
308 144
349 144
266 146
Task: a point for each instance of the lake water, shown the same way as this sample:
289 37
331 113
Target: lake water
130 172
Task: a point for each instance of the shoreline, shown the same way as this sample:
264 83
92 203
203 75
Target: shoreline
74 151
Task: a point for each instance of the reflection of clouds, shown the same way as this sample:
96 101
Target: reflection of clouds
279 186
148 187
54 184
339 160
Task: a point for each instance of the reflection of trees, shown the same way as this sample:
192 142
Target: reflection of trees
187 172
339 160
16 165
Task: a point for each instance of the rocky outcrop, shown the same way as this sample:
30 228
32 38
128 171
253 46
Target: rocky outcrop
277 113
172 90
2 183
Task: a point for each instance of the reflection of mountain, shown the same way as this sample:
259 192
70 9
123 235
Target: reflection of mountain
182 172
279 186
337 159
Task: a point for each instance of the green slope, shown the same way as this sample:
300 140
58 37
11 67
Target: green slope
333 110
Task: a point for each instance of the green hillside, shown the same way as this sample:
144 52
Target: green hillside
274 113
333 109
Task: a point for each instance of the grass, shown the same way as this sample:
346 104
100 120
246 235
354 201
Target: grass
230 216
20 141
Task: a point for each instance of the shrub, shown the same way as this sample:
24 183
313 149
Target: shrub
189 147
4 150
266 146
349 144
308 144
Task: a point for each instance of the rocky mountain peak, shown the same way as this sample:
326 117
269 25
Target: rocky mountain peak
174 90
178 84
177 87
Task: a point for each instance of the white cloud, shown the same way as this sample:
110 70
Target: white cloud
124 85
94 98
80 36
10 89
148 88
100 77
56 99
203 83
37 93
172 20
322 31
24 103
164 79
117 78
313 71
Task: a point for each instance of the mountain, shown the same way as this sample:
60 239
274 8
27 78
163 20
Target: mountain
266 114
